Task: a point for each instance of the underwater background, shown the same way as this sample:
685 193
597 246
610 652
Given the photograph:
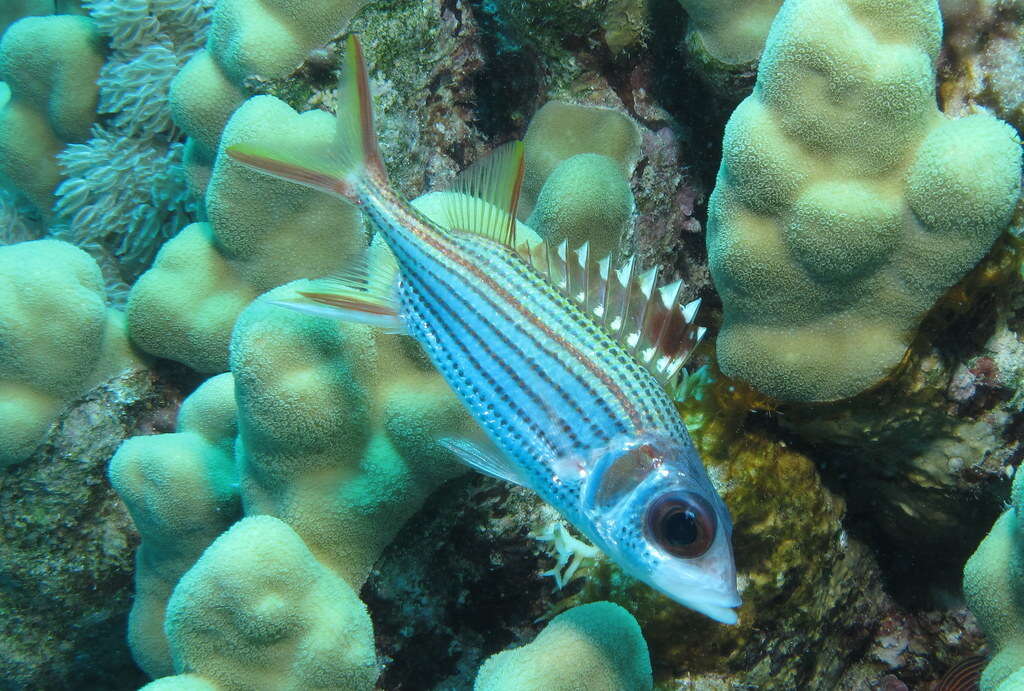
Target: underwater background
200 490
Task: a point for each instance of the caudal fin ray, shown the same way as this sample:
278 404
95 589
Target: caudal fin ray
356 140
298 164
335 168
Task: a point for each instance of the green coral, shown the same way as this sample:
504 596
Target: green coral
182 492
262 233
598 642
51 65
338 430
993 579
846 203
59 338
264 39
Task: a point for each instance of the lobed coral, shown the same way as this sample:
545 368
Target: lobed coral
846 203
51 65
59 338
578 160
598 642
262 233
338 430
265 39
258 611
182 492
992 586
729 31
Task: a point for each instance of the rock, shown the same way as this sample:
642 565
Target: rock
66 546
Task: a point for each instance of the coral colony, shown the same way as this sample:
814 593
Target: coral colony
205 490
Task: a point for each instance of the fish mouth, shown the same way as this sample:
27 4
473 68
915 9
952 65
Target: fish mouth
715 604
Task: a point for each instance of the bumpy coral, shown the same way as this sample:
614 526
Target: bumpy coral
578 161
585 199
262 233
266 39
258 611
599 642
51 65
337 435
993 580
182 492
729 31
846 203
57 338
338 430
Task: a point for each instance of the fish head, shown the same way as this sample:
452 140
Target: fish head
654 511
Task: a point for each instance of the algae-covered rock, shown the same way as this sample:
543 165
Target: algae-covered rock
923 460
66 546
984 64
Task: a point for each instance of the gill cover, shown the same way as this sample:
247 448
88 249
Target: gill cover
656 513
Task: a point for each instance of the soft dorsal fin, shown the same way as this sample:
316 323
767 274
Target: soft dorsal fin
364 291
649 321
488 195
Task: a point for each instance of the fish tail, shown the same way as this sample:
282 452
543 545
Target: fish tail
353 158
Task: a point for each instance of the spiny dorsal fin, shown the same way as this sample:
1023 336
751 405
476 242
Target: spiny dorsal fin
364 291
496 180
650 322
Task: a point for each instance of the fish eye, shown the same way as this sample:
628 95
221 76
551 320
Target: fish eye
681 523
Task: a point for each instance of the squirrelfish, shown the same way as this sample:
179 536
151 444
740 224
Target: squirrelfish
562 360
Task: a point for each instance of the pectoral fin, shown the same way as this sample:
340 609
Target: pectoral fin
364 292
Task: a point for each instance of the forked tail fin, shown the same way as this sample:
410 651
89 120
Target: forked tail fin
352 157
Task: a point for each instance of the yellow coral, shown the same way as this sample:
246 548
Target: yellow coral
846 203
730 31
257 611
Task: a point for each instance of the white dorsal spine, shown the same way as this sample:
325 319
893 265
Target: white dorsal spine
651 322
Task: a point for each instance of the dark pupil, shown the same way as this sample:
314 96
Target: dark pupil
680 528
